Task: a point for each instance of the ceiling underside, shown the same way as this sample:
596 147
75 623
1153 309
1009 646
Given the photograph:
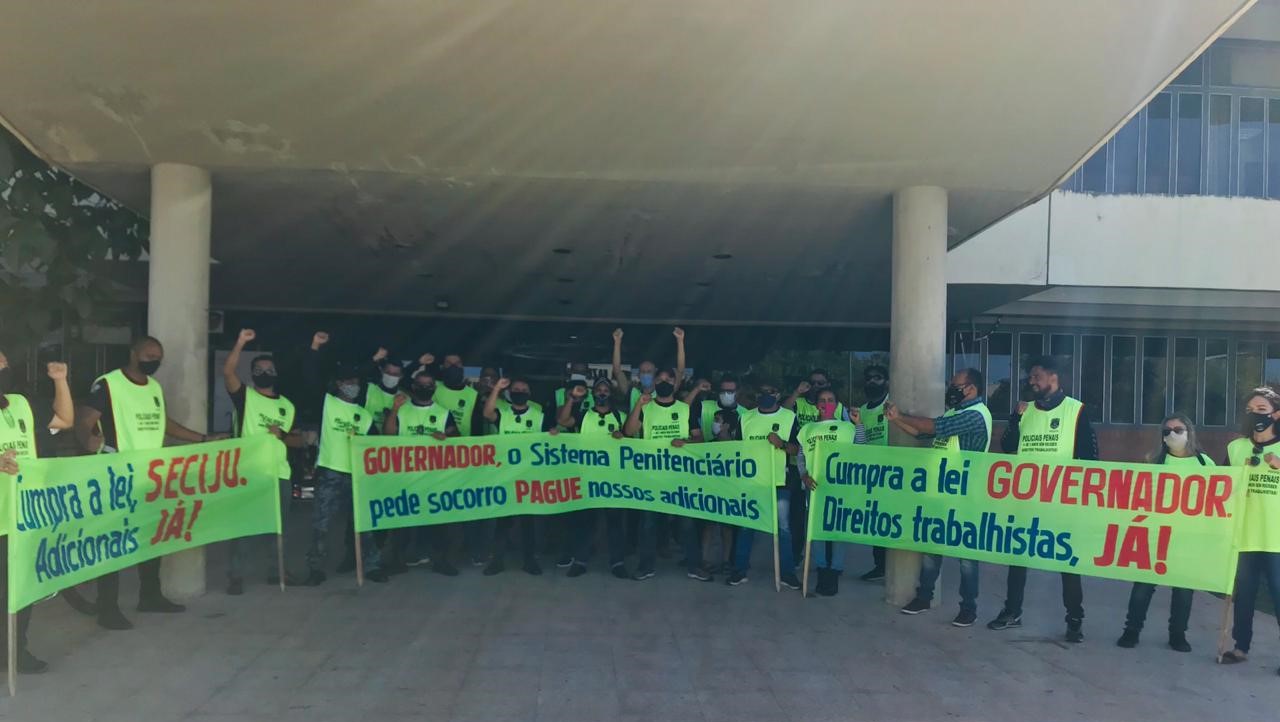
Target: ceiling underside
386 156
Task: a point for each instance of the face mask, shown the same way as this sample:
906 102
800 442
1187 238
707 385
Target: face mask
728 398
815 389
577 377
827 410
1176 441
664 388
602 399
264 379
716 428
349 391
423 393
389 381
955 396
646 380
454 375
1261 422
767 401
519 398
149 367
873 389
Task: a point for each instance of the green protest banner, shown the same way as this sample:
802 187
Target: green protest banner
75 519
1167 525
401 481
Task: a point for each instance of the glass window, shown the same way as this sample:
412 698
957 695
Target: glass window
1271 372
1247 66
1251 143
1248 368
1125 163
1219 176
1030 345
1092 362
1190 120
1186 379
1094 173
1215 382
1159 128
965 353
1273 149
1124 371
1155 378
1062 346
1000 373
1193 74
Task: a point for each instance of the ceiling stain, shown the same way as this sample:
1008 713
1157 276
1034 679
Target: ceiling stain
241 138
122 104
71 144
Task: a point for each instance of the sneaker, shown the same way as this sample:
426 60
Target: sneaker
789 581
965 618
643 574
531 567
736 579
916 606
159 605
1005 620
1178 643
477 561
314 579
1129 639
441 566
114 620
378 576
1075 634
28 663
700 574
576 570
235 587
347 565
496 566
418 561
564 562
619 570
875 575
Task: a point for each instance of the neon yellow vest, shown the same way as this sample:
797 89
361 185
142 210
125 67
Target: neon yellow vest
138 412
17 431
595 423
378 403
1050 433
1200 459
708 417
875 424
414 420
834 431
460 403
1260 530
339 421
261 412
953 442
530 421
664 423
757 427
807 413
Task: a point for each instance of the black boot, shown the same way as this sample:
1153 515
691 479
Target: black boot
823 586
835 582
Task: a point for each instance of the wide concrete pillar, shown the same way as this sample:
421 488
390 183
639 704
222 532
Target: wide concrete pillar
917 336
178 315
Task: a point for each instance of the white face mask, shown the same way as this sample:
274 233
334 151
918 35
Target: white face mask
716 428
390 381
1176 441
576 377
349 391
728 398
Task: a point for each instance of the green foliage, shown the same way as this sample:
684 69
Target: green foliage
53 230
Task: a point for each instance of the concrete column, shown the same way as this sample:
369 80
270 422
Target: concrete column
178 315
917 336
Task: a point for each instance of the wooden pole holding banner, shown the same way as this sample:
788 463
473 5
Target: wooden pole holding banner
280 559
359 563
12 653
1223 635
804 579
777 572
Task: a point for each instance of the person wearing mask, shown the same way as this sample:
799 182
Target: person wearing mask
770 422
725 426
380 393
831 430
875 389
464 404
631 389
1178 447
1055 427
662 417
125 411
966 426
521 416
418 414
259 410
1258 453
343 415
804 400
19 423
705 410
576 378
598 421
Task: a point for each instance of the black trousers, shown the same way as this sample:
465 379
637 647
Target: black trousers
502 539
1072 594
148 581
1140 601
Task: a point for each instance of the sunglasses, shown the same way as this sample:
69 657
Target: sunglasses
1173 430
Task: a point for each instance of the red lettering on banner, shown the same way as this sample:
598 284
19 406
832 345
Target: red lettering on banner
420 457
1218 493
1095 480
155 479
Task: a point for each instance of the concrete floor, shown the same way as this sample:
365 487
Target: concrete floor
516 647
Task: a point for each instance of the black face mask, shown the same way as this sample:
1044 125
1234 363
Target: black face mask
873 390
664 388
264 379
454 375
602 399
423 393
519 398
814 390
149 367
955 396
1260 422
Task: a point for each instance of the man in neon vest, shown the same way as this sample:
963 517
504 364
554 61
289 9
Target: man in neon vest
380 395
575 381
966 426
466 405
875 386
518 416
631 389
829 428
601 420
1056 427
18 442
125 411
343 415
770 422
661 416
804 400
418 414
704 409
259 410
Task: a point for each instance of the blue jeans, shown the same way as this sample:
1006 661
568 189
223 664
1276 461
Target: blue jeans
786 560
829 555
931 567
1249 573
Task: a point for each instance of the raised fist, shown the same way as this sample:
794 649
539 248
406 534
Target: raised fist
380 354
678 333
426 359
502 383
855 415
578 392
617 334
803 388
704 385
319 339
57 370
246 335
645 399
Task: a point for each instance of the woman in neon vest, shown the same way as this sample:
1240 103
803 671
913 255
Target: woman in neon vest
1258 453
1178 447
